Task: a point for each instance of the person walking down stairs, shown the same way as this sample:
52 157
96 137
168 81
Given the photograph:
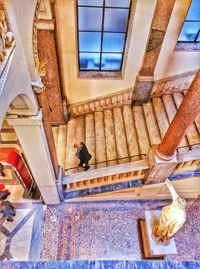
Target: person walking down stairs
83 155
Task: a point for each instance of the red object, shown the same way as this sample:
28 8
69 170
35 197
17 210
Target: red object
2 187
11 156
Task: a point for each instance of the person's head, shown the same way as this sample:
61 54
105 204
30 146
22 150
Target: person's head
78 145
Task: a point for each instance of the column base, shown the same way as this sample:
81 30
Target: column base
160 169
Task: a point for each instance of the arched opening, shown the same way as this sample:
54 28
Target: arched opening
16 176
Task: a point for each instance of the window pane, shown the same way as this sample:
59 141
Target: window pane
89 42
111 61
117 3
198 38
189 31
89 61
194 11
115 20
90 19
113 42
90 2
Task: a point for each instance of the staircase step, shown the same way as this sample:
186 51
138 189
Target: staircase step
192 133
5 125
161 115
151 123
8 137
55 135
100 139
142 133
90 137
122 148
111 150
70 159
80 129
61 144
131 134
171 112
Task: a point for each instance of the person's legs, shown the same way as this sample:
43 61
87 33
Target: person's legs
86 165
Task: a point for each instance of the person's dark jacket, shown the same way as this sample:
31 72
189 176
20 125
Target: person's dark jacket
7 209
84 155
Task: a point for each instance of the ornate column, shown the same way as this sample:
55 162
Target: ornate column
163 157
184 117
145 79
31 134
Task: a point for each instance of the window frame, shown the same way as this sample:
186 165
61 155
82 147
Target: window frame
186 45
102 73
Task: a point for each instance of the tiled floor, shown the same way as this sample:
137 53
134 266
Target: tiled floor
109 230
89 231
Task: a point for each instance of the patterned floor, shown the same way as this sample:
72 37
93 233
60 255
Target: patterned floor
89 231
110 231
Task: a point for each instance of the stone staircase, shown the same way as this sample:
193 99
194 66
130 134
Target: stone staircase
119 139
122 134
8 135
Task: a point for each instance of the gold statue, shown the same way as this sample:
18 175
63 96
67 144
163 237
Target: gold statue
172 218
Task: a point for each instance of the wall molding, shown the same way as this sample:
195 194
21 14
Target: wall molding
98 104
173 84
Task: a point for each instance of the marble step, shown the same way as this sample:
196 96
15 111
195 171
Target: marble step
100 141
120 135
141 129
161 115
131 133
61 144
152 125
111 147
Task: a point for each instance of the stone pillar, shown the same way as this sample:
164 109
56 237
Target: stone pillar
31 134
144 81
43 103
162 158
159 169
182 121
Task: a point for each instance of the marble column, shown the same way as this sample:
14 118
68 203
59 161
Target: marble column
144 81
31 134
182 121
162 158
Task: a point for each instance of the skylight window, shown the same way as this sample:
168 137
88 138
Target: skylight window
102 31
191 28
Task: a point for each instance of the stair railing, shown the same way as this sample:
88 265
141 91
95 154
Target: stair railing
189 147
95 164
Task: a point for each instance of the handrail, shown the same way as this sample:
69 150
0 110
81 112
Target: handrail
118 159
190 147
130 157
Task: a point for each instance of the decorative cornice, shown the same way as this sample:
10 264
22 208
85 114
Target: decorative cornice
45 16
169 85
101 103
35 48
